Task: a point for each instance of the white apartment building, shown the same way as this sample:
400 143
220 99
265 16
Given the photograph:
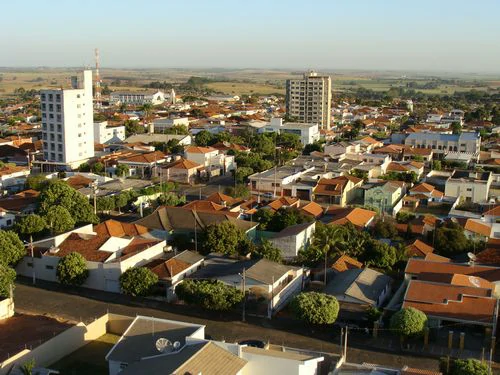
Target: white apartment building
309 99
308 133
104 133
67 122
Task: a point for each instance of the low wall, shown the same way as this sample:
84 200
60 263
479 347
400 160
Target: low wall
68 341
6 308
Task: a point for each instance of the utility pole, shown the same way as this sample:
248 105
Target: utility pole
32 259
244 295
345 343
195 234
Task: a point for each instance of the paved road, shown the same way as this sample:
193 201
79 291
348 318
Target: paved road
31 300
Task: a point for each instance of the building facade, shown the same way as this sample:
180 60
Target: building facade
443 143
104 133
308 133
68 122
309 100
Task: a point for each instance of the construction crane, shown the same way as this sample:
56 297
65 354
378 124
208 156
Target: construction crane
97 93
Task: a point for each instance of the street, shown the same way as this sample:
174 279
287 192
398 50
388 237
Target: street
74 308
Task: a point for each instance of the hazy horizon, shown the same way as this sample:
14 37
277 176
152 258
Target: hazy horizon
445 37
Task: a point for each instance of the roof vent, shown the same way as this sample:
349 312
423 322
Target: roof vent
163 345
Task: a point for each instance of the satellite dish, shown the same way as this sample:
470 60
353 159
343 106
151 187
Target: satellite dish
177 345
162 344
472 256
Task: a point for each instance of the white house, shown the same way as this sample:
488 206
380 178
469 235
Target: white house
13 177
472 186
214 160
109 249
161 124
291 239
308 133
139 97
104 133
6 218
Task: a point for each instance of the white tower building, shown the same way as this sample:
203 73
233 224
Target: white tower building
68 123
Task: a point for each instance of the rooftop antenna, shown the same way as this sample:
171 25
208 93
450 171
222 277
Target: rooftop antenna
97 94
472 257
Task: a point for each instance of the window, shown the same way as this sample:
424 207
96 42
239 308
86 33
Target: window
51 107
42 96
58 98
59 138
44 106
58 108
59 148
52 137
49 267
51 97
59 127
30 265
469 189
59 118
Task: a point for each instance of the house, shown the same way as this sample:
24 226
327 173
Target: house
293 238
6 218
269 284
368 144
470 185
162 124
342 148
395 151
276 180
307 132
12 154
216 162
359 217
475 229
181 170
423 193
456 298
24 202
344 263
167 221
357 289
172 271
105 133
149 138
383 196
339 190
227 146
418 154
285 202
406 167
312 209
175 347
469 142
418 249
13 177
143 164
109 249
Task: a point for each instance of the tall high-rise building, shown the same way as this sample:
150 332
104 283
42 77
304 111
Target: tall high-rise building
68 122
309 99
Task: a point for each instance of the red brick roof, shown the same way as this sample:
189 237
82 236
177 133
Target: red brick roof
284 201
418 249
359 217
312 209
345 263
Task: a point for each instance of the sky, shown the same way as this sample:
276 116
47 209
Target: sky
424 35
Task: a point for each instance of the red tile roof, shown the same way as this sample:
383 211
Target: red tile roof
345 263
312 209
199 150
359 217
419 266
284 201
418 249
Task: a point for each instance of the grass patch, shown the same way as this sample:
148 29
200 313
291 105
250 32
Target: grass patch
89 359
240 88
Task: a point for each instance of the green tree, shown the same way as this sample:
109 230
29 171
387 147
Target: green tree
379 254
263 217
208 294
105 203
450 240
468 367
147 110
315 308
12 249
242 173
238 191
36 182
98 168
327 240
224 238
138 281
171 199
311 147
122 170
264 144
456 127
436 165
204 138
60 193
30 225
289 141
28 366
385 229
84 167
7 278
133 127
59 219
286 217
268 251
121 200
409 322
72 269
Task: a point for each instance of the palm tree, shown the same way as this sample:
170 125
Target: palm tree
146 109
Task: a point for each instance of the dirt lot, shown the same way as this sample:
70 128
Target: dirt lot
27 331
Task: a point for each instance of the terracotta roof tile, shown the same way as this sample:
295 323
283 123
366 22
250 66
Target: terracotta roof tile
199 150
418 249
478 228
182 164
359 217
284 201
312 209
419 266
345 263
